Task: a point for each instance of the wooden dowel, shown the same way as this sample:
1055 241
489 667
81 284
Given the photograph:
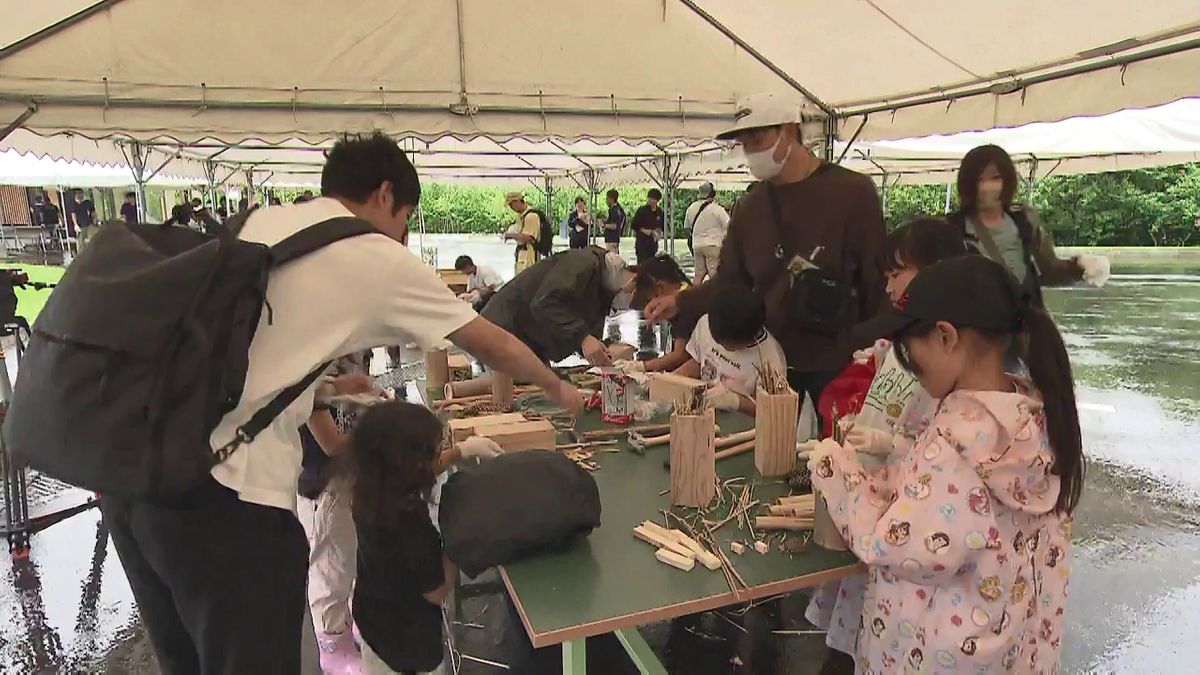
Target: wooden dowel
734 439
791 510
798 499
782 523
621 431
736 450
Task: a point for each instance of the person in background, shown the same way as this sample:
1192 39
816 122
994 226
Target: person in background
219 577
729 347
274 201
579 225
657 277
482 282
181 216
707 223
1012 234
525 231
203 220
243 205
828 232
558 306
129 211
45 214
84 214
403 574
614 222
648 226
967 537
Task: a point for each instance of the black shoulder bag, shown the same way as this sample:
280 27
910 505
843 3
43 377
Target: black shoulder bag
819 303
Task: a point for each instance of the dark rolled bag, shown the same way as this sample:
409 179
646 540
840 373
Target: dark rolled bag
514 505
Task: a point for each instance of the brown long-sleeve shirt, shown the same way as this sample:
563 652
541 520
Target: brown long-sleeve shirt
834 208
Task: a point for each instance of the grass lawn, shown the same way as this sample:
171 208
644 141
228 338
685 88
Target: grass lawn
30 301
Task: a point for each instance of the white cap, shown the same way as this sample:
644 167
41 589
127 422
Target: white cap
762 110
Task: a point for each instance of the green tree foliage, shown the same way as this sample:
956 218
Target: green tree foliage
905 202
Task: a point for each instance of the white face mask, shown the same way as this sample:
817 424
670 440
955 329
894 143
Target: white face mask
762 164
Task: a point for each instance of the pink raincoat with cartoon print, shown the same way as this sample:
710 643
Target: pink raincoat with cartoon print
967 559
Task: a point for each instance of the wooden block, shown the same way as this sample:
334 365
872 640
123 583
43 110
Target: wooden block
775 432
675 560
670 388
454 280
702 554
437 369
659 539
620 351
791 510
693 461
737 547
459 367
514 437
783 523
463 428
761 547
502 389
825 531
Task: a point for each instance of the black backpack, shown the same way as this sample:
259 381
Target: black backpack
142 349
513 506
544 244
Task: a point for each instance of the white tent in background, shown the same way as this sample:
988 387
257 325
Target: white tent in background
41 171
274 70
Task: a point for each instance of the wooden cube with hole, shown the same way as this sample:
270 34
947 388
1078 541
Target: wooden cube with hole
461 429
459 367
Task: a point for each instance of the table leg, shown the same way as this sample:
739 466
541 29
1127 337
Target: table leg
641 654
574 655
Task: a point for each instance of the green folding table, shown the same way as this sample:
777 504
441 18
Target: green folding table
610 582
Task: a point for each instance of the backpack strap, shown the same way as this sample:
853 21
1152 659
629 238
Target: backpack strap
263 417
318 236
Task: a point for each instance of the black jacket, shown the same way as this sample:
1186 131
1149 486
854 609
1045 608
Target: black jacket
553 305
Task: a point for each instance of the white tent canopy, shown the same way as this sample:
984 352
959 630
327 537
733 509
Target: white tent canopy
666 70
38 171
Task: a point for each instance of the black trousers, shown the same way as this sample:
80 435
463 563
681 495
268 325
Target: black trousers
219 582
811 384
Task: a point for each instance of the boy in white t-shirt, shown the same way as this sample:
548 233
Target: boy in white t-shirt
729 346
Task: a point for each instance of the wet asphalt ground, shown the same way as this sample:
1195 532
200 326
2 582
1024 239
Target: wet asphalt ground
1135 601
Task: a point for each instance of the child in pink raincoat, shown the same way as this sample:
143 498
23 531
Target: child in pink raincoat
967 537
895 411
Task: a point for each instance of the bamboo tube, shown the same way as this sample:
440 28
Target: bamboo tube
791 510
472 387
693 467
782 523
736 450
797 499
775 432
437 369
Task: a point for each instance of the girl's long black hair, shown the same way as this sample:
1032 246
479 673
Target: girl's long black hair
391 461
1041 348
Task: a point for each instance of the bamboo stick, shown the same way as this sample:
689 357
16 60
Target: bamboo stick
621 431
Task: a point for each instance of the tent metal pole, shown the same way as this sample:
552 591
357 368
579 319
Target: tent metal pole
852 139
462 56
949 186
421 234
831 130
884 194
56 27
757 56
1032 182
16 124
593 188
136 157
550 201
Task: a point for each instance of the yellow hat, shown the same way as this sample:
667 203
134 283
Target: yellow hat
514 196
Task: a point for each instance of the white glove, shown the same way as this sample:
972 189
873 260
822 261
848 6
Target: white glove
631 366
870 441
805 448
863 355
1096 268
721 398
478 447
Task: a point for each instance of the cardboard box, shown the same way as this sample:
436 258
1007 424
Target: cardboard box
616 396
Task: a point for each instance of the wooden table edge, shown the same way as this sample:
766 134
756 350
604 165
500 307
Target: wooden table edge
704 604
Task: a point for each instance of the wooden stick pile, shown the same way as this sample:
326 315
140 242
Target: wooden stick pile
771 379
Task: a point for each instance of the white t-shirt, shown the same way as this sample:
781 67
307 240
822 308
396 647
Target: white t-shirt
484 277
349 296
735 370
709 228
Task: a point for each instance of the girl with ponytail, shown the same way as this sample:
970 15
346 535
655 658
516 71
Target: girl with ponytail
967 537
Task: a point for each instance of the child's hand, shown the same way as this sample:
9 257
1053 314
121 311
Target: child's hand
721 398
478 447
870 441
631 366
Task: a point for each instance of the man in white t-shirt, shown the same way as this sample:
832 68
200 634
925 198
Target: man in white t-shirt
708 222
482 282
219 574
728 348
